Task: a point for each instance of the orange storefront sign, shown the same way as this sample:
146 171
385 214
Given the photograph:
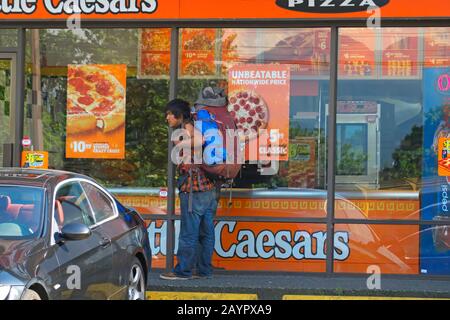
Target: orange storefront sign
230 9
276 246
301 247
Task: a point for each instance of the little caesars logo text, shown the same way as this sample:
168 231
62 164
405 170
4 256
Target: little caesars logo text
235 242
331 6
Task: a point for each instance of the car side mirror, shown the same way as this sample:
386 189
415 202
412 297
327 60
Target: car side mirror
75 231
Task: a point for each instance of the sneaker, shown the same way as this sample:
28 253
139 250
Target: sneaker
173 276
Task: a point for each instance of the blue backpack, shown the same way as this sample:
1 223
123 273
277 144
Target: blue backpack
214 151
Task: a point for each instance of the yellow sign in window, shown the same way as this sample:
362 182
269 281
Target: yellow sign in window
35 159
444 157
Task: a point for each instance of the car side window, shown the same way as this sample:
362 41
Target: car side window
101 204
72 206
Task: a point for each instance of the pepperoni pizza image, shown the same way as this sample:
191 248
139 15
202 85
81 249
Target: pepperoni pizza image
249 110
199 68
95 100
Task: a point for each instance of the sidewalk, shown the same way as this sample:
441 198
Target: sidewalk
249 286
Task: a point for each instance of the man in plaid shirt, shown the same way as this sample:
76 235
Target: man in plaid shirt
198 200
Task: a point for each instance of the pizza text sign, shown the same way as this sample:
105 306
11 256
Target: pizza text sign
96 111
259 99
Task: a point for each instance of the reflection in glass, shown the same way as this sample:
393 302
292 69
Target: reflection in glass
146 132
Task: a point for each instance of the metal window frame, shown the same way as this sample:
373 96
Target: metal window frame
19 99
333 24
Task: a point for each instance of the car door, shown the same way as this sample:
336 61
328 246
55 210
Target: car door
84 264
107 217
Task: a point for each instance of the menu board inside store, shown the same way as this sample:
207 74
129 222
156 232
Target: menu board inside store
237 46
154 53
400 52
437 47
307 51
198 53
210 53
357 53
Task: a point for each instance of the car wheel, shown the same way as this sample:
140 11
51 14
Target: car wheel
30 295
136 282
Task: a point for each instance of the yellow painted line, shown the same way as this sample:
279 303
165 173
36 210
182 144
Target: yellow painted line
301 297
163 295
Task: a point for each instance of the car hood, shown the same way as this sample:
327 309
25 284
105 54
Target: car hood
14 252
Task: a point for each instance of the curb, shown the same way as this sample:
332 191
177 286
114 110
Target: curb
190 295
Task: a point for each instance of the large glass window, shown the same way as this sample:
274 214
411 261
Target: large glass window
379 122
392 134
392 146
210 56
54 56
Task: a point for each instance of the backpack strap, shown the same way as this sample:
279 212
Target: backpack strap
191 193
230 199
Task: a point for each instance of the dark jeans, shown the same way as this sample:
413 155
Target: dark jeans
196 241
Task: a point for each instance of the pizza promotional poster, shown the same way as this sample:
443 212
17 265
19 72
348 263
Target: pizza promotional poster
96 111
444 157
198 53
434 195
259 98
34 159
154 53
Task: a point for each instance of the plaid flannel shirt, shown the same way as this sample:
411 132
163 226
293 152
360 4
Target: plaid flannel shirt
198 180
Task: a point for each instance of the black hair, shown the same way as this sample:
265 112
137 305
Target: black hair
179 108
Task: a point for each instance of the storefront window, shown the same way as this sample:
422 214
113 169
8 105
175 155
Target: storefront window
8 38
220 56
101 81
392 135
392 147
379 128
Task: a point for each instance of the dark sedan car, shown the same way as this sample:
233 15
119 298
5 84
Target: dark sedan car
63 236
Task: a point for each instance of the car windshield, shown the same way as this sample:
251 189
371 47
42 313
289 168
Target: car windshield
20 211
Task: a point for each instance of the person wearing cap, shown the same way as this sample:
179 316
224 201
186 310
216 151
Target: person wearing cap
198 197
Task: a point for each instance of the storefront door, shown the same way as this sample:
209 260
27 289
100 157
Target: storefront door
7 106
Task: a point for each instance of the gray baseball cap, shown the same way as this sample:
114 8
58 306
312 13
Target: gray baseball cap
212 97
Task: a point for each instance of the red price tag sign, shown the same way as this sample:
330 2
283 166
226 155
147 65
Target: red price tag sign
163 192
26 141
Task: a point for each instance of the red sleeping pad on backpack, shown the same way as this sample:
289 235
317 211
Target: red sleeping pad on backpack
224 121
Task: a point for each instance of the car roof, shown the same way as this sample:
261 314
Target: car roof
34 177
